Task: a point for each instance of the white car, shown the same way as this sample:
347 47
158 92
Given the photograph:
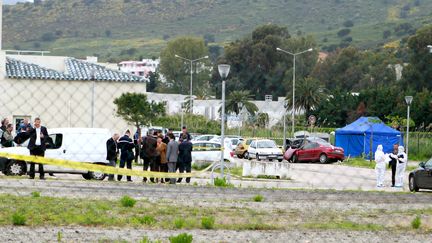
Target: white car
74 144
206 151
206 137
264 149
231 142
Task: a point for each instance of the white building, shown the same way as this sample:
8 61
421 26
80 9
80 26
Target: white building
63 91
139 68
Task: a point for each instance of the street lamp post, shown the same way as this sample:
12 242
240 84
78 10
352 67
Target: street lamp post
191 77
223 72
284 124
294 79
93 77
240 107
408 100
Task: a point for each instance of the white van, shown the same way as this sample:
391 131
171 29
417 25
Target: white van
74 144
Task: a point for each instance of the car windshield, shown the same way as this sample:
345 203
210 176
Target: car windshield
266 144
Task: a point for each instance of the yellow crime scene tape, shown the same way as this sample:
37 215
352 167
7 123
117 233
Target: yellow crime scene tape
100 168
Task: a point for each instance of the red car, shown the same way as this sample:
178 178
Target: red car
312 151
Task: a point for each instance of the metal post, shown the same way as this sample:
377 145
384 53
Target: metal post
293 98
408 123
284 129
190 101
93 102
223 129
182 114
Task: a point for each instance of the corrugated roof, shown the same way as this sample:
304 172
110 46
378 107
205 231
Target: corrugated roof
75 70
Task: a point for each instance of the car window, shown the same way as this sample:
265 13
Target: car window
212 147
248 142
429 164
266 144
54 141
198 147
311 146
252 145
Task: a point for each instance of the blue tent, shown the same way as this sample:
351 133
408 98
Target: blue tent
355 138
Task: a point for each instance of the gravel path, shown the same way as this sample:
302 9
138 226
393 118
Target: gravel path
81 234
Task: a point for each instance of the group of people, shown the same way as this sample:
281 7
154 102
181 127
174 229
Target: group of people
397 161
160 153
37 135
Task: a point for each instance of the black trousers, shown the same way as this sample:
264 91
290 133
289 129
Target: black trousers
393 169
37 151
151 163
163 167
185 166
128 163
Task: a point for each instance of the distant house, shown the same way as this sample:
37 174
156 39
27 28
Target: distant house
63 91
140 68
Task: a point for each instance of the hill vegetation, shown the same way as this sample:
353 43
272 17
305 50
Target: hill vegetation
117 29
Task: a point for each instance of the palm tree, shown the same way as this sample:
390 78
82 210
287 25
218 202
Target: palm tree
308 95
236 97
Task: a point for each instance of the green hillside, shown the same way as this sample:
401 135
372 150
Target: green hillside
113 29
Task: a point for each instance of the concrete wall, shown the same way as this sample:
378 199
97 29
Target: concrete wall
65 103
257 168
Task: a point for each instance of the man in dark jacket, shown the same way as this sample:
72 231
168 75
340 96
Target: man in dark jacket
185 157
126 146
149 154
37 146
112 152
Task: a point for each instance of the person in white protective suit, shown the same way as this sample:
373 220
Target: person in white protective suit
380 167
401 165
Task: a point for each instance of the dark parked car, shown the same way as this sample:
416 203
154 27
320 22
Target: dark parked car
313 149
421 178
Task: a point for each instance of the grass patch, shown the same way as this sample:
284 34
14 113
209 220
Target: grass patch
208 222
258 198
222 182
145 239
416 223
146 220
18 219
35 194
127 201
181 238
179 223
344 225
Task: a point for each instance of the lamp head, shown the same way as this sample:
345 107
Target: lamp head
408 100
176 55
310 49
430 48
224 70
278 49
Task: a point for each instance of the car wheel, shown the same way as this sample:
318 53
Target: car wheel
16 168
412 184
323 158
294 158
280 160
246 155
86 176
257 157
240 156
96 175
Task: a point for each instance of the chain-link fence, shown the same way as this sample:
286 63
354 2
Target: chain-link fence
75 101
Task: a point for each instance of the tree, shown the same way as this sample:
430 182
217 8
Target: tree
153 81
136 110
242 96
257 66
177 71
309 94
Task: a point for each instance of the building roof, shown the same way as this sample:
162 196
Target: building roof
75 70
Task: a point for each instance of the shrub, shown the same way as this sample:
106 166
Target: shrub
18 219
258 198
179 223
221 182
416 223
147 220
35 194
127 201
181 238
343 32
208 222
